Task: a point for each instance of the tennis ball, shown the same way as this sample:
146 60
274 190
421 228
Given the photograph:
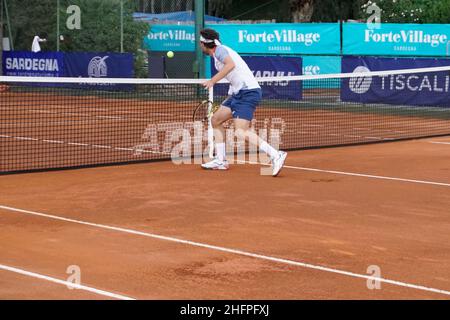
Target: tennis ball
170 54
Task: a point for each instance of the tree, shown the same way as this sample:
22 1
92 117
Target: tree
162 6
333 11
285 10
220 8
30 18
100 25
411 11
301 10
437 11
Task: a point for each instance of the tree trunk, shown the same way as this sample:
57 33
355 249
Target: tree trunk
152 6
301 10
219 8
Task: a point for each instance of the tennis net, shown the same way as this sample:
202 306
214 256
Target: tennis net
55 123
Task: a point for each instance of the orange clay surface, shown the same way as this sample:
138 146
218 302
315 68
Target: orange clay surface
343 222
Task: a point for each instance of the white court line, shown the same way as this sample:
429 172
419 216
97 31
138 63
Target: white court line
371 176
438 142
443 184
232 251
66 283
95 146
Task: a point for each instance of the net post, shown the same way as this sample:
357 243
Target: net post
210 128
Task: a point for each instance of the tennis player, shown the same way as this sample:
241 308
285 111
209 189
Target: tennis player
244 96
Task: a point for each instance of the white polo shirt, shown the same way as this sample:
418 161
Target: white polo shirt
36 47
241 77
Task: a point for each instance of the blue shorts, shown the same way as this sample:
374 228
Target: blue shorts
243 104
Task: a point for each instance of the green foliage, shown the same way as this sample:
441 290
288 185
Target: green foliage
29 18
438 11
411 11
333 11
100 26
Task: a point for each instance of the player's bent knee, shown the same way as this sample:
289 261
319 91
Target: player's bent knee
240 134
216 121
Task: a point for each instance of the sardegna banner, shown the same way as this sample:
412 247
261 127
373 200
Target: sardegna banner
415 89
30 64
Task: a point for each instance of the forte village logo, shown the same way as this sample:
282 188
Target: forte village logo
171 35
278 36
407 37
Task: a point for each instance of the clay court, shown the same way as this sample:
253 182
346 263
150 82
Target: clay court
162 231
355 221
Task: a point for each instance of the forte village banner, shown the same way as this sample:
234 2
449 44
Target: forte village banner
397 39
271 38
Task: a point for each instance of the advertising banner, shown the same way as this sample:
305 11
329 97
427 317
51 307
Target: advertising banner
99 65
417 89
271 67
30 64
268 38
396 39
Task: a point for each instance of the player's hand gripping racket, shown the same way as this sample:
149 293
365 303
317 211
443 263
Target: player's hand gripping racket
204 112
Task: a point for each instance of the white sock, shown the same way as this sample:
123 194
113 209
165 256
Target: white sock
267 148
220 151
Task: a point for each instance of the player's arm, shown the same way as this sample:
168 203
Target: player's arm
227 68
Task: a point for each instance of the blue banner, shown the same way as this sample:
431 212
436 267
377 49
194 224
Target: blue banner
30 64
268 38
271 67
396 39
100 65
416 89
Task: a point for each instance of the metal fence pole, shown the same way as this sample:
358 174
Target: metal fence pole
57 25
121 26
8 22
199 65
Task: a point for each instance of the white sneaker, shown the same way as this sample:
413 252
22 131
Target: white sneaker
216 164
278 163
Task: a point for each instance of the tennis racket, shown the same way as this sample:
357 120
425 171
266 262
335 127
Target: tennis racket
204 111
